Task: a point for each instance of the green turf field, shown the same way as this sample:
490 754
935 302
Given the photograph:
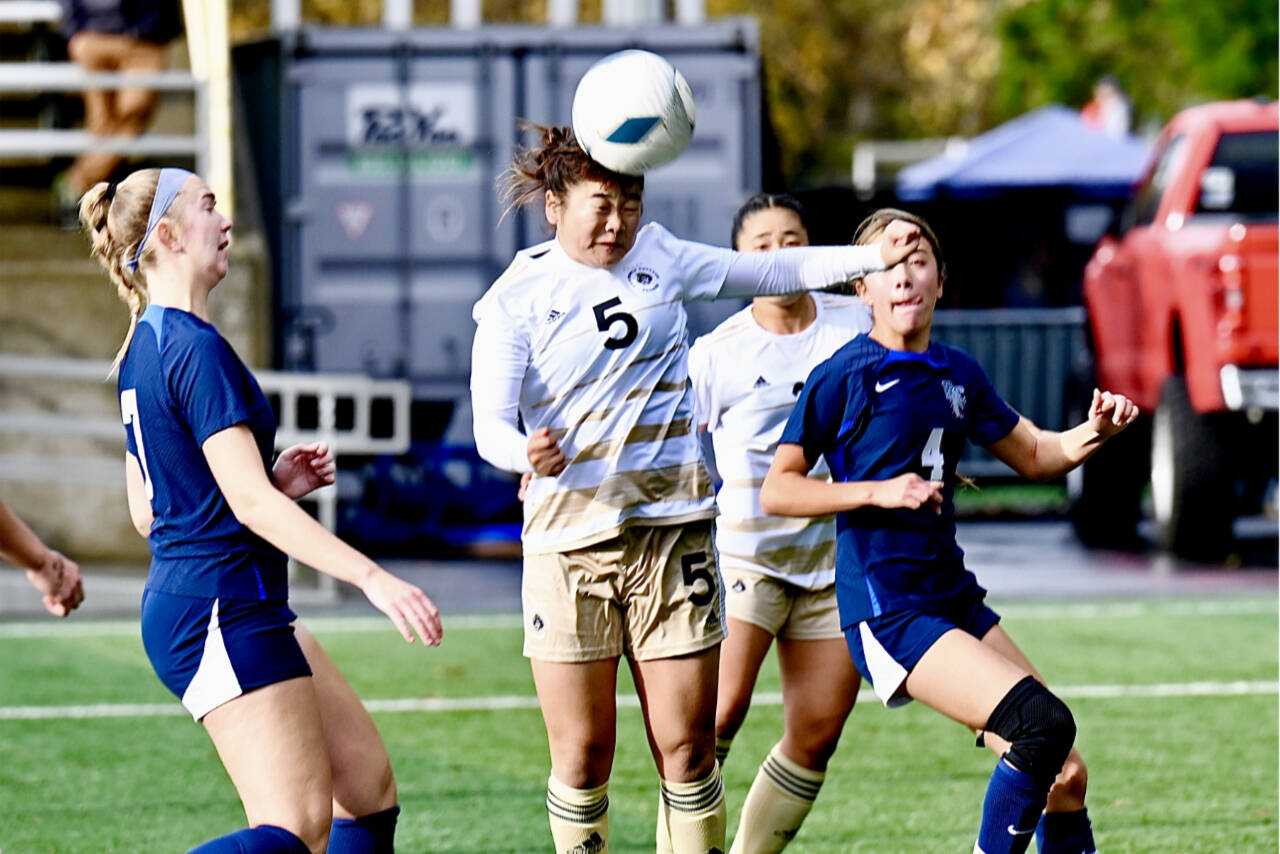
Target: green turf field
1175 700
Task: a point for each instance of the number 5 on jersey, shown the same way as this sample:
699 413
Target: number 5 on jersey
129 414
605 322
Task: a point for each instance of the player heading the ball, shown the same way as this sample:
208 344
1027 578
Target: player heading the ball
580 375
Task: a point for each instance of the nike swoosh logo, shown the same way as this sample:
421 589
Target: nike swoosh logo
1013 831
886 386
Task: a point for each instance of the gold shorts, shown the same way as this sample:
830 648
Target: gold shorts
650 592
782 609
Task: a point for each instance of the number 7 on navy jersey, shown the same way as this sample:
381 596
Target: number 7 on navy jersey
129 414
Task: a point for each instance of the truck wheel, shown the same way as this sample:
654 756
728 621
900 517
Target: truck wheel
1190 488
1105 494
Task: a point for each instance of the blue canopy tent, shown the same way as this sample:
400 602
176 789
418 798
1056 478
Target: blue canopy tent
1048 147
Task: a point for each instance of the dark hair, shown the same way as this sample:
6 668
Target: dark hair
764 201
556 163
871 227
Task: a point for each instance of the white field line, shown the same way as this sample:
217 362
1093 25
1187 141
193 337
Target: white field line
502 703
488 622
327 625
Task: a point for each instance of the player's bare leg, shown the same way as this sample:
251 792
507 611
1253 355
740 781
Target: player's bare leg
995 694
271 741
819 687
579 708
1066 827
741 654
677 697
364 789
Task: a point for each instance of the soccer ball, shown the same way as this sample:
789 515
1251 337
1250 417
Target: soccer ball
633 112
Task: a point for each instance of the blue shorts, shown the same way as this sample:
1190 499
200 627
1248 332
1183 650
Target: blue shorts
886 648
208 651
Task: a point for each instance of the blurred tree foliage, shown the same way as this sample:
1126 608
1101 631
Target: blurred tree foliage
1167 54
841 70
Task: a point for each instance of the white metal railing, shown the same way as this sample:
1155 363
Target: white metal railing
30 12
36 77
325 391
870 154
465 14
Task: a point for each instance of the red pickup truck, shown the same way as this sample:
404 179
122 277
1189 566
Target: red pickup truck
1182 307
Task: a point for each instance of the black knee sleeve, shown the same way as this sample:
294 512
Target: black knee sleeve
1038 726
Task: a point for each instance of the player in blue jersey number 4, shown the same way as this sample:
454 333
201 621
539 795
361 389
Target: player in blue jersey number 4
890 413
302 751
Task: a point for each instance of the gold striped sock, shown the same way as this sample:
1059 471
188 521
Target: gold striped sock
780 798
579 818
695 814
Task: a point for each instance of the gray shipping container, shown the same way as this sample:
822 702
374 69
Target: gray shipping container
390 147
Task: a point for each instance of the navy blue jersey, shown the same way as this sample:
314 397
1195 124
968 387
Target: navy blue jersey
180 382
875 414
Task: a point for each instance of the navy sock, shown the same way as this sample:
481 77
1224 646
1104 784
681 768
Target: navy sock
263 839
1065 833
368 834
1010 811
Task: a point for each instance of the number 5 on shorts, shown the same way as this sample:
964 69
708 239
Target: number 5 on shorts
692 576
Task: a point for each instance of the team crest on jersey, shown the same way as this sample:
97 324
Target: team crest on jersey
955 397
642 278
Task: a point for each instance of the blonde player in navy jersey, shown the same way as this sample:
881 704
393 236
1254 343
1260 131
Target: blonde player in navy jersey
301 750
890 413
579 376
779 573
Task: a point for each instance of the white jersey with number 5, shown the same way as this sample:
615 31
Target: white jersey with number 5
745 382
600 357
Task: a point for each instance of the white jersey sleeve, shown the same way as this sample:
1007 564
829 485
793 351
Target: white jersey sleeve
499 359
798 268
700 380
713 272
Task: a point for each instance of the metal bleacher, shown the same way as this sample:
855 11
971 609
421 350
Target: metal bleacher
352 413
37 77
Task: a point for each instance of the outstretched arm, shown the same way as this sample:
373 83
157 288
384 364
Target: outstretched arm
50 572
1046 454
806 268
789 491
233 458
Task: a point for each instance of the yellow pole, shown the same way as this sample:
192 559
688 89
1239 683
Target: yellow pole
208 43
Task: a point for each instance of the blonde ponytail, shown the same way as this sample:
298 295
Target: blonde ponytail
115 218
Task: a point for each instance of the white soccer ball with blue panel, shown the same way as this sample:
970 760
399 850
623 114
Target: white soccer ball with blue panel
632 112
